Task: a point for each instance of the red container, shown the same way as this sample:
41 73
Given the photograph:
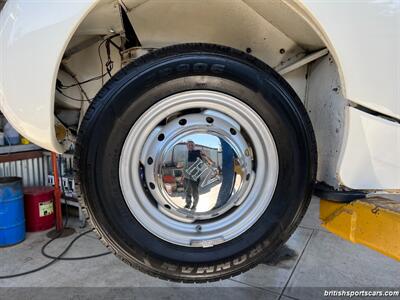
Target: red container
39 208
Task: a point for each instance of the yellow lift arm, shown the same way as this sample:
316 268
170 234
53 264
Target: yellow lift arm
373 222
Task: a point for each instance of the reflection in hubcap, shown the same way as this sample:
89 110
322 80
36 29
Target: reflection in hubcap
196 170
199 167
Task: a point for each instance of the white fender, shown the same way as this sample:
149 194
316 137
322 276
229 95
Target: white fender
33 39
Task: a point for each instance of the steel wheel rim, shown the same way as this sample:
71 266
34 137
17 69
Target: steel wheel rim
256 192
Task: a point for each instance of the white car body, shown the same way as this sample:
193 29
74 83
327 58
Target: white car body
363 39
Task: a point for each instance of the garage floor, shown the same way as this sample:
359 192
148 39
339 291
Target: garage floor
313 261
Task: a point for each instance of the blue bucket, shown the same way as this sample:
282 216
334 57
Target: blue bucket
12 219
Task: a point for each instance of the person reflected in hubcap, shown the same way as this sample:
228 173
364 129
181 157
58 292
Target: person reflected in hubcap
199 173
192 172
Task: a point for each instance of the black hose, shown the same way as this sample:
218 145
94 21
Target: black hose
56 258
43 251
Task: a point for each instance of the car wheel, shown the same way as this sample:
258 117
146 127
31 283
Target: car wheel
195 162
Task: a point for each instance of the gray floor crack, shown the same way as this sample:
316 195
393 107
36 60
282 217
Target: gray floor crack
295 266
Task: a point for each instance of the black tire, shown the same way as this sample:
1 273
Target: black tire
160 74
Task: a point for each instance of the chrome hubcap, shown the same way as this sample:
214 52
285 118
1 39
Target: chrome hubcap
198 168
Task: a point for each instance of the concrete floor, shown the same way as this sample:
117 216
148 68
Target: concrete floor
312 261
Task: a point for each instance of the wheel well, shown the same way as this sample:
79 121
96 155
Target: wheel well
278 33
